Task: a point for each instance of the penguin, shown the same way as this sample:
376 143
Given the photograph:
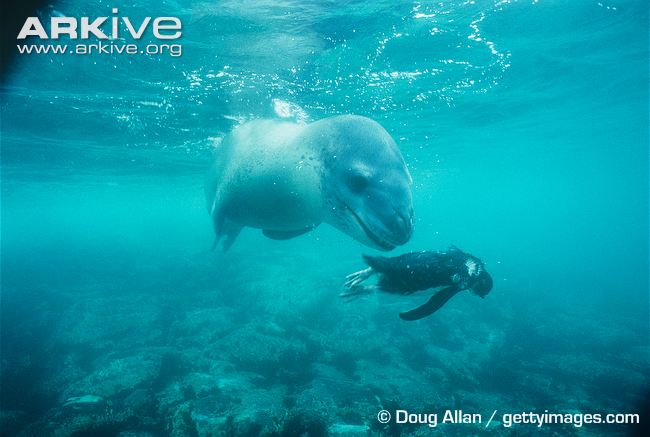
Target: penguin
405 274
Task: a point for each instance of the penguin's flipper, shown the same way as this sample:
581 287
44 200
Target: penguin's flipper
432 305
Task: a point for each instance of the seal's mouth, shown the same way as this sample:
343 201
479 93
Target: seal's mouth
373 237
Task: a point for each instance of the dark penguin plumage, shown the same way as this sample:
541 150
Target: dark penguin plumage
415 271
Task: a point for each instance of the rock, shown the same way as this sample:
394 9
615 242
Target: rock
182 423
118 377
345 430
12 421
242 410
277 358
85 400
129 323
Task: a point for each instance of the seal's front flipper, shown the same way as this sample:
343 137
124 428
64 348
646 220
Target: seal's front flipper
231 233
434 304
285 235
223 226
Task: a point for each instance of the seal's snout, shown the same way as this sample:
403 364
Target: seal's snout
404 225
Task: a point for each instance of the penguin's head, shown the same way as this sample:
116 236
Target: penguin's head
483 284
480 280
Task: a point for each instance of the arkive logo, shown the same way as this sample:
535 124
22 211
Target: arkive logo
112 34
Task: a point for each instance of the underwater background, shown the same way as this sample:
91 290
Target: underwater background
525 128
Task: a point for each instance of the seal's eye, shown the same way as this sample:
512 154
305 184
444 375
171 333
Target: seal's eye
357 182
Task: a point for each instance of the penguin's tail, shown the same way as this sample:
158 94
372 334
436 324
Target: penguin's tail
378 263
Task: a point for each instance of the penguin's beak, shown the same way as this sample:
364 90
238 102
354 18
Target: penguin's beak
483 284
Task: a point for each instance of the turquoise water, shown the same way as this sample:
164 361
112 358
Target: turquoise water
524 126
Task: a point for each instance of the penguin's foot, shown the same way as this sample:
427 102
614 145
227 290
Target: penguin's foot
356 278
357 291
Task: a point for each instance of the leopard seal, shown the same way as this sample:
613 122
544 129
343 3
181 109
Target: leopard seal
286 178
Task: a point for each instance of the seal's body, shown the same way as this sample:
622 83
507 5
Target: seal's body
287 178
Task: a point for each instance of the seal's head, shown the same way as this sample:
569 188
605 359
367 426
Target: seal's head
366 183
